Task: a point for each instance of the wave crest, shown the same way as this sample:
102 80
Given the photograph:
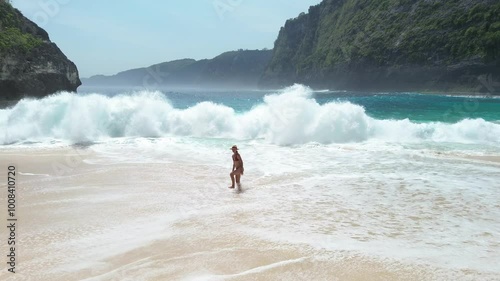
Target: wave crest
289 117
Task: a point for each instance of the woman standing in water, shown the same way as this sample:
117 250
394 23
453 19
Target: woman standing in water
237 167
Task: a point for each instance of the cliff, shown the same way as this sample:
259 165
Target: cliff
235 69
394 45
30 64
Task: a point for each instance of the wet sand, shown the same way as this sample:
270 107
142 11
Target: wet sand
81 221
495 159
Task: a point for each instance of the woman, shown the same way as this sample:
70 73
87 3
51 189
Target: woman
237 167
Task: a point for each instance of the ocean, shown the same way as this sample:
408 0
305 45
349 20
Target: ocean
338 185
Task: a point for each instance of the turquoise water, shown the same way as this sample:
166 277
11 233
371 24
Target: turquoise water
413 106
421 107
291 116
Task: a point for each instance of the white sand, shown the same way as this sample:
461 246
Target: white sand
141 222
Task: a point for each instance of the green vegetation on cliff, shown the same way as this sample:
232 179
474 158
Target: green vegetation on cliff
345 36
406 31
30 64
11 35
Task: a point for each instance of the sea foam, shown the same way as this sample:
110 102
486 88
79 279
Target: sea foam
290 116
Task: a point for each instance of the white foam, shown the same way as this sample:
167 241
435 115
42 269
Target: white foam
288 117
379 200
258 269
31 174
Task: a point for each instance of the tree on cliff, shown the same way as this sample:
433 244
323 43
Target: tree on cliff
403 44
12 38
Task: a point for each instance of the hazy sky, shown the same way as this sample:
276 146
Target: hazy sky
108 36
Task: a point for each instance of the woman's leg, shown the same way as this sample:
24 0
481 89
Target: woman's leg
238 172
231 175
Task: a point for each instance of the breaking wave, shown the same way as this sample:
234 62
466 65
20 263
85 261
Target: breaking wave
288 117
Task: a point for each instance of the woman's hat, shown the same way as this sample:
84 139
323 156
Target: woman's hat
234 146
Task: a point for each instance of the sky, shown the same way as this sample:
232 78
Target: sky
109 36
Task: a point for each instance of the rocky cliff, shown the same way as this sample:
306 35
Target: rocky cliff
30 64
396 45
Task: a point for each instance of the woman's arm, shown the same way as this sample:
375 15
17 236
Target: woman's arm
241 160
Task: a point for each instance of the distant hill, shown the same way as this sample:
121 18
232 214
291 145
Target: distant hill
424 45
236 69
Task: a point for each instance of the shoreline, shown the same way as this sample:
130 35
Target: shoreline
119 219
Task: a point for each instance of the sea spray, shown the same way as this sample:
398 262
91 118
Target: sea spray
294 117
288 117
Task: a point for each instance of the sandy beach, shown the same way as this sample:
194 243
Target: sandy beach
366 135
81 221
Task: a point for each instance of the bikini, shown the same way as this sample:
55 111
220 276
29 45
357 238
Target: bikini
236 158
